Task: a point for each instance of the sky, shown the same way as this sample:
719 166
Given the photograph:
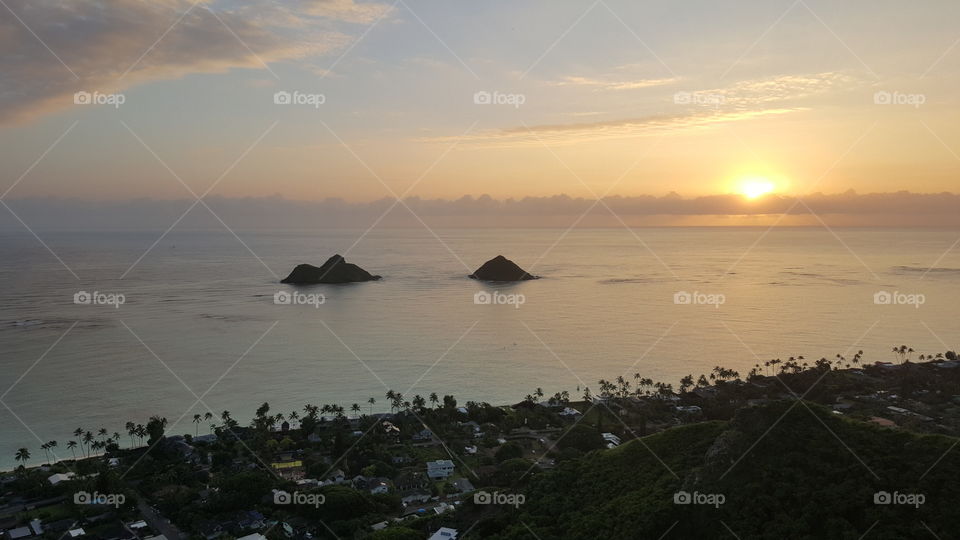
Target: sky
441 100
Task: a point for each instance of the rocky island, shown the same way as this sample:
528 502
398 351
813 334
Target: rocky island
335 270
501 268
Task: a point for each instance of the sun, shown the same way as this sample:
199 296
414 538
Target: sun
755 187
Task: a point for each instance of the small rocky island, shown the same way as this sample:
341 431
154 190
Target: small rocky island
335 270
501 268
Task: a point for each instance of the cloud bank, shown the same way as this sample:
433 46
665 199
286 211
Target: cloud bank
874 209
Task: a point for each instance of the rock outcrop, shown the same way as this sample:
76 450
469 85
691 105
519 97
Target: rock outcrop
501 268
335 270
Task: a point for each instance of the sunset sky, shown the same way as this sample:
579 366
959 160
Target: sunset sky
610 97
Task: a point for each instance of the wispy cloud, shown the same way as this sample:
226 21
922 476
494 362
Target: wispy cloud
612 84
53 49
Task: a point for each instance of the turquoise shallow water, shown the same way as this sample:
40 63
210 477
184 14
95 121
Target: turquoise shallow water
203 306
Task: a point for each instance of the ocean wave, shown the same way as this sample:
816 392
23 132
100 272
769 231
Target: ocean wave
927 269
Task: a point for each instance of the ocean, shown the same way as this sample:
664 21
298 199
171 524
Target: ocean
199 318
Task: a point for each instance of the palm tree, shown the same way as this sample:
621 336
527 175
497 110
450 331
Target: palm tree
196 420
88 439
46 447
131 431
51 445
355 408
102 433
72 445
23 455
207 417
372 401
434 399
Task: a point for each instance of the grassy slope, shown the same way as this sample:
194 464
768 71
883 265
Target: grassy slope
799 481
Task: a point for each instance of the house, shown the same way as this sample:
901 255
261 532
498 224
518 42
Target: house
415 495
289 469
689 409
254 536
462 485
337 477
439 469
378 486
76 533
444 533
423 435
569 412
462 410
379 525
60 477
19 533
472 426
612 440
411 480
470 449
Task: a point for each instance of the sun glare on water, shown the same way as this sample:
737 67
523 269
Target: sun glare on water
753 188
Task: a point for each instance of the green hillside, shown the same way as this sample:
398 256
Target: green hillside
812 475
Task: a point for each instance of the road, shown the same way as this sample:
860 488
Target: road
158 522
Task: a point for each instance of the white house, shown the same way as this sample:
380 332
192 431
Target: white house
254 536
444 533
60 477
612 440
439 469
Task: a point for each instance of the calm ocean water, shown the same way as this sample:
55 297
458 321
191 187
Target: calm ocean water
200 300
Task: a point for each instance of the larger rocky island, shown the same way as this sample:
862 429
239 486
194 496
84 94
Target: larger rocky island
335 270
501 268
